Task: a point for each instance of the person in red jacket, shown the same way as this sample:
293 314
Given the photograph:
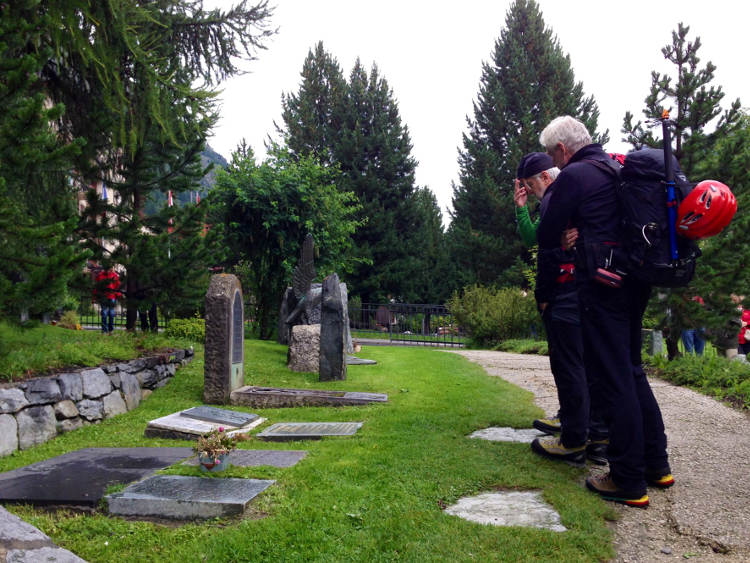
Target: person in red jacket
743 338
107 292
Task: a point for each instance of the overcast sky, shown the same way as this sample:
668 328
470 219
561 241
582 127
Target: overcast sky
431 53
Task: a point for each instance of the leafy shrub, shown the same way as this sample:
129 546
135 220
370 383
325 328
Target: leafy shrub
524 346
717 376
191 329
491 315
70 319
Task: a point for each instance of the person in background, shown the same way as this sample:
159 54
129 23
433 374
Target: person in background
743 338
693 339
107 292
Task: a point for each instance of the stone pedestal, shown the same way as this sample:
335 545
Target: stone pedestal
333 325
304 348
225 339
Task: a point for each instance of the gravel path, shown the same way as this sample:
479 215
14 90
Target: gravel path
705 516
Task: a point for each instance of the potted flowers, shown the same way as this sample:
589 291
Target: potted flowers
212 449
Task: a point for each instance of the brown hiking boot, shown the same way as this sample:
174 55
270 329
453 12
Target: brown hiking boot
608 490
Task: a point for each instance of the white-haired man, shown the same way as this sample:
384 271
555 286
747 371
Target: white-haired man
584 194
582 432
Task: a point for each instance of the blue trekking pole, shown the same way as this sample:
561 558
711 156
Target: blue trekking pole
669 180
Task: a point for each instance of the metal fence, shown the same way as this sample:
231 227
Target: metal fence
418 324
90 316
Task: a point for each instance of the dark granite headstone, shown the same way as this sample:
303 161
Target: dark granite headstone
274 397
256 458
220 416
224 350
286 431
185 498
332 332
81 478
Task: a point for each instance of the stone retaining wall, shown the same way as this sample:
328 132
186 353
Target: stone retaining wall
36 410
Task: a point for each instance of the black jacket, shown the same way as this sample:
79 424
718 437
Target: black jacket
585 196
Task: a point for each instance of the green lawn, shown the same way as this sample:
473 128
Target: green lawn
376 496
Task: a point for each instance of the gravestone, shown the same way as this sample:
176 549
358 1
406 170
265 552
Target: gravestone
279 397
81 478
224 349
256 458
220 416
197 421
332 332
183 498
286 431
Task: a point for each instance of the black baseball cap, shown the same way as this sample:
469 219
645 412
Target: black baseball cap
534 163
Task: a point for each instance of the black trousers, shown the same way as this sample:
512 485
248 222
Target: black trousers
579 416
611 326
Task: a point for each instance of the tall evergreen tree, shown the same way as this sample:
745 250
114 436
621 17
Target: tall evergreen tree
140 94
694 105
313 116
528 82
38 256
356 126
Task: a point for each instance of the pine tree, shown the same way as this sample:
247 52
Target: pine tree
131 91
356 126
528 82
694 105
692 101
312 117
38 259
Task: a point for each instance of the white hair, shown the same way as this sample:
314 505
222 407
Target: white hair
553 173
566 130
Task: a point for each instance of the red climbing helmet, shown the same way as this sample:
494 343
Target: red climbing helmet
706 210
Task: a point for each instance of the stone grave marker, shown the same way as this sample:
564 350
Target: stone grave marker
220 416
184 498
332 332
274 397
256 458
179 426
80 478
508 508
355 361
286 431
224 344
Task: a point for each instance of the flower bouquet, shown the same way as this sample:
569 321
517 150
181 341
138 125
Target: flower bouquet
212 449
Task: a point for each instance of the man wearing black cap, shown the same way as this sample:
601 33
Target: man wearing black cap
556 296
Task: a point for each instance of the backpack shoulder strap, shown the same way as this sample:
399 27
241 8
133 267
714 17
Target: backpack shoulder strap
609 166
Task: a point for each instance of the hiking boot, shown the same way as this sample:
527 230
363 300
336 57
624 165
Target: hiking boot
552 448
596 451
606 488
662 480
548 425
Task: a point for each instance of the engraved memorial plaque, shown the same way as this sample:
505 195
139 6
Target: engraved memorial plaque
220 416
284 431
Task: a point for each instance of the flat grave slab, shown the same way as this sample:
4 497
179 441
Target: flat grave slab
81 478
285 431
355 361
504 434
184 498
253 458
274 397
508 508
220 416
181 426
